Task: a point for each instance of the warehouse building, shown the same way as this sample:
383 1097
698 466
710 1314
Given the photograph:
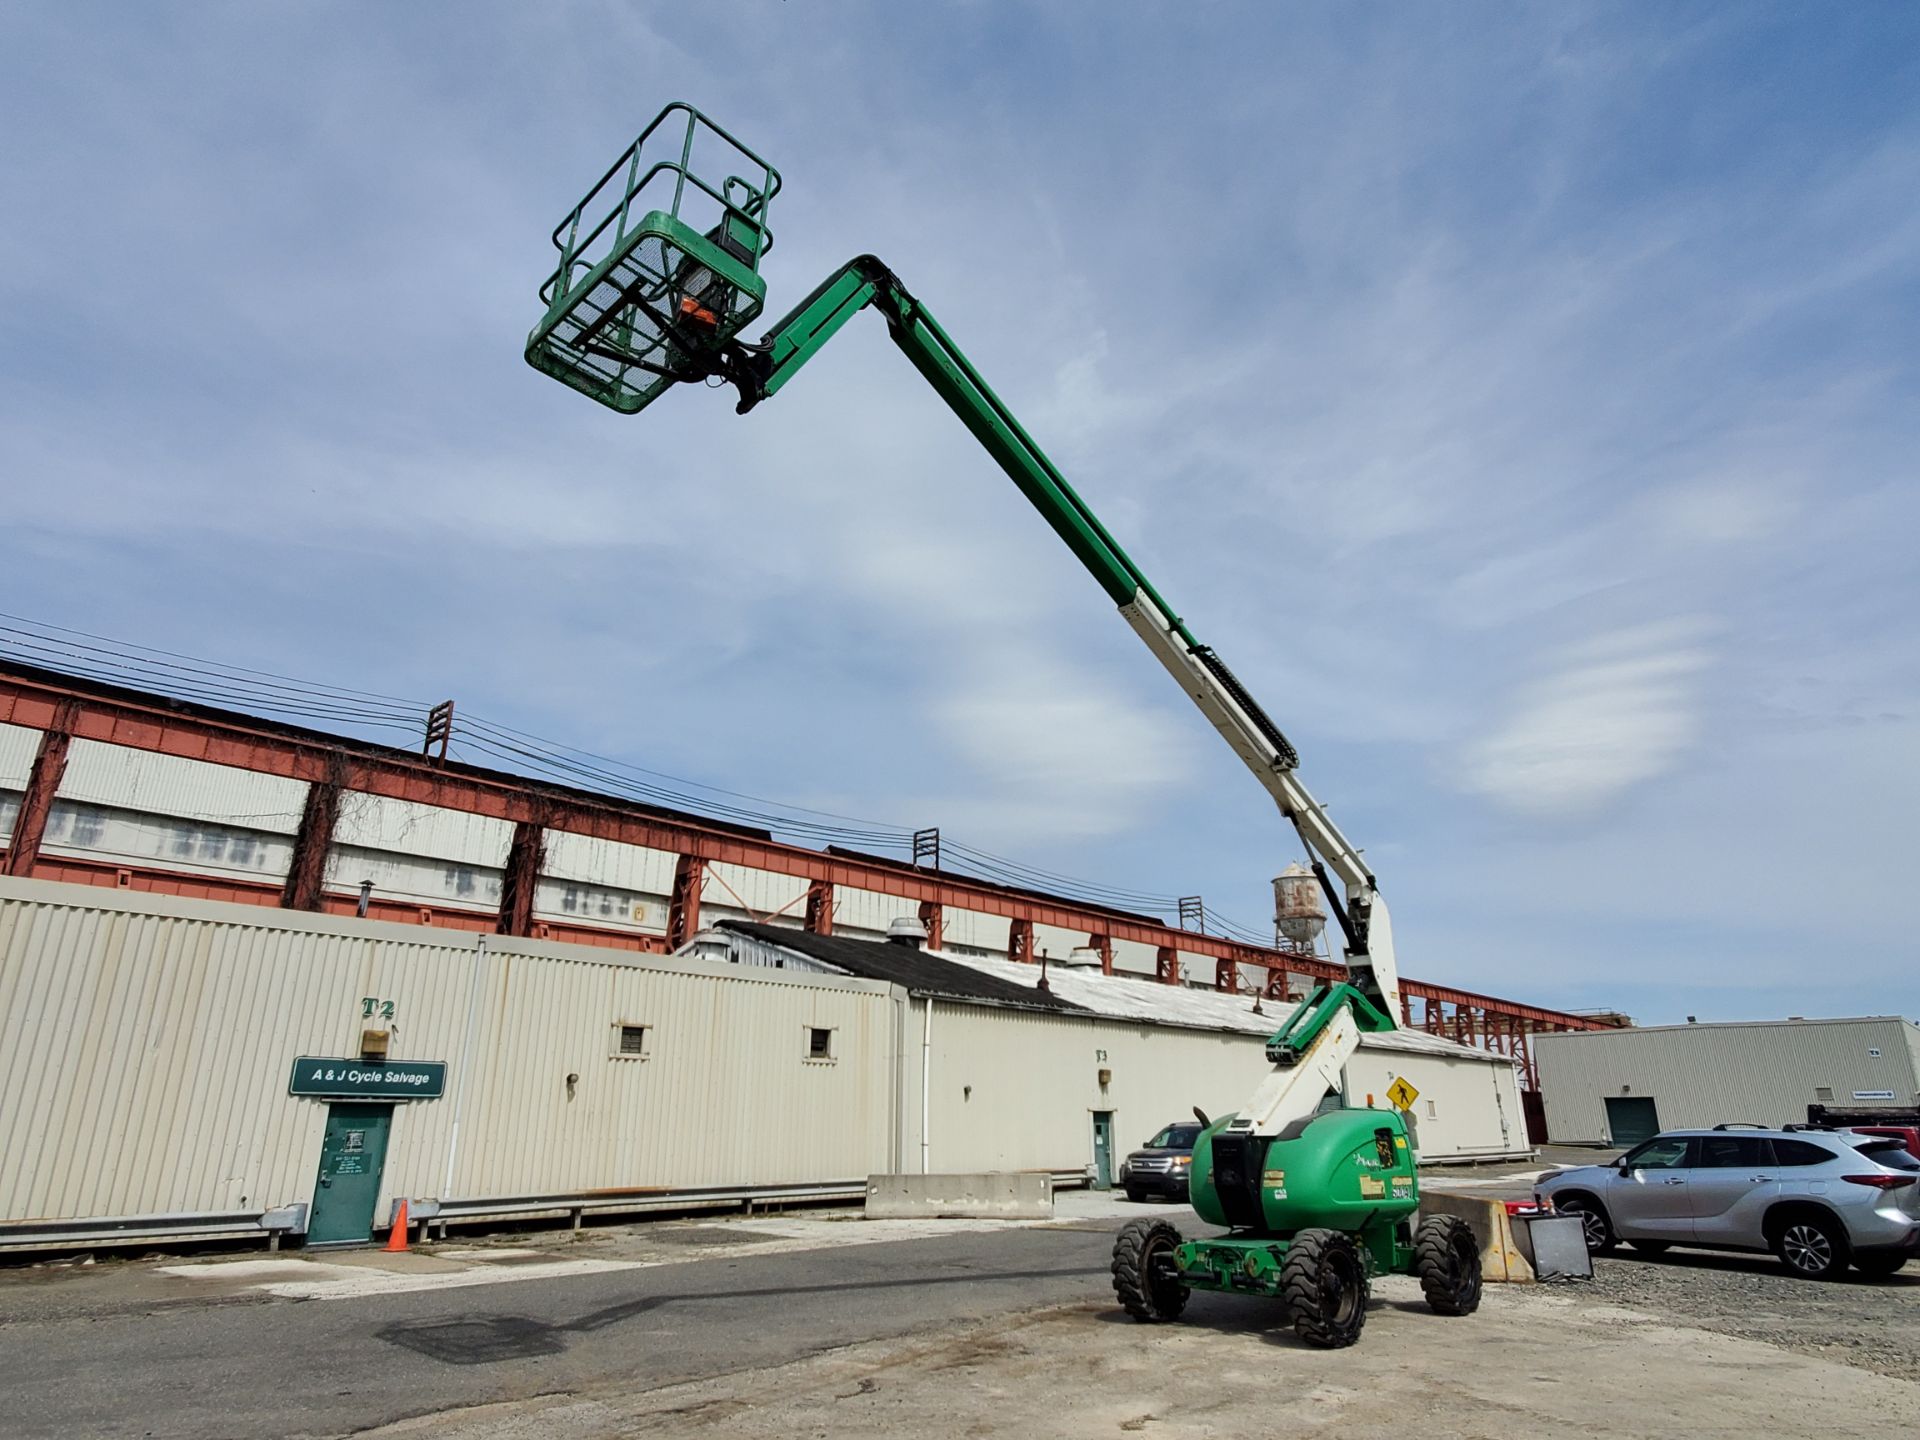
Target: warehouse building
1069 1078
1618 1087
179 1066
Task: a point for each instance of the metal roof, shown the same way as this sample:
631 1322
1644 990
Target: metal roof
917 971
972 979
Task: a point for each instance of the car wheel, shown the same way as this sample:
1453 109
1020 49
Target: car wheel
1136 1196
1145 1276
1325 1285
1593 1219
1879 1266
1811 1246
1651 1247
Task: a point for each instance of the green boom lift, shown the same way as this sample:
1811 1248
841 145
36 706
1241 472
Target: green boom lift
658 275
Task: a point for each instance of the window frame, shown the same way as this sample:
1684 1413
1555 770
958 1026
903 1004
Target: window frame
617 1044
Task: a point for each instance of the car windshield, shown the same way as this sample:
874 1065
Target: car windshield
1175 1137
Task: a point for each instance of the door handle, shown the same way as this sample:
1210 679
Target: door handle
1673 1182
1756 1179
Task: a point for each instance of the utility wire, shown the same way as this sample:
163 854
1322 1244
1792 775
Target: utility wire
191 677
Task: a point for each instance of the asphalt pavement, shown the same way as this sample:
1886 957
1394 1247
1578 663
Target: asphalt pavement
117 1362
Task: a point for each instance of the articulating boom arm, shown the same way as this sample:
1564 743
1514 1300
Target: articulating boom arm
759 371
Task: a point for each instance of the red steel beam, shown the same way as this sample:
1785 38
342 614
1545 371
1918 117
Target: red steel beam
819 919
521 878
43 783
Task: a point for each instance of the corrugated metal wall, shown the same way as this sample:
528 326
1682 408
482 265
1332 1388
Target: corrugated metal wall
146 1042
1015 1089
1700 1075
18 745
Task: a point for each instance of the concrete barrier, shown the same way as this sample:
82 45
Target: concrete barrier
1501 1258
984 1195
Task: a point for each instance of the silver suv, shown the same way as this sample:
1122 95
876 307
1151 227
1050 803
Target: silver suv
1819 1199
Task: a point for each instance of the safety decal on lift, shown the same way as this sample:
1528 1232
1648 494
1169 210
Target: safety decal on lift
1372 1187
1402 1186
1276 1181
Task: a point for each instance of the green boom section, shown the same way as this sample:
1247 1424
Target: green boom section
865 281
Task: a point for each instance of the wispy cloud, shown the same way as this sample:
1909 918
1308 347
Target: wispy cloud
1614 712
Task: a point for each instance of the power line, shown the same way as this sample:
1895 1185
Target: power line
479 740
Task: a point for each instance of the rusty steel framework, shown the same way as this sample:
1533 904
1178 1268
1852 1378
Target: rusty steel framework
65 708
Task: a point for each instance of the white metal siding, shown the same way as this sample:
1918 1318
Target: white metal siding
1135 957
123 778
18 745
1057 943
416 879
736 892
1034 1082
570 856
97 832
146 1041
588 881
407 827
867 913
975 930
1700 1075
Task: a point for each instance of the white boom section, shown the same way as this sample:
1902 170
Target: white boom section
1293 1092
1316 828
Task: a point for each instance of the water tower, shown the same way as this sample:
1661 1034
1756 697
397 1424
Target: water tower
1298 915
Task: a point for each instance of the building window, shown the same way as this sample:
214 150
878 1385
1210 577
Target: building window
1823 1093
630 1041
819 1043
1432 1114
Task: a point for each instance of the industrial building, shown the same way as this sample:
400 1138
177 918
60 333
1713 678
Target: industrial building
1019 1078
105 785
182 1067
248 969
1618 1087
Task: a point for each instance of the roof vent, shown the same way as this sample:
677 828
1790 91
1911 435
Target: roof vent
907 931
1082 957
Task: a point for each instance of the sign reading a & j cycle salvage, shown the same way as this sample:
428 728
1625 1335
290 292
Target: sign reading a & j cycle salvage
369 1079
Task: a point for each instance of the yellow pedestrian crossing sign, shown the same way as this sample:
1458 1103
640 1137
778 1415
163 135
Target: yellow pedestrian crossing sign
1402 1094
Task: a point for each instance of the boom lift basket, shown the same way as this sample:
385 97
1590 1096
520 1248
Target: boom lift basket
659 264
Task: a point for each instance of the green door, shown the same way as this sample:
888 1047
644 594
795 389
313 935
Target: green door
1631 1119
1103 1149
351 1156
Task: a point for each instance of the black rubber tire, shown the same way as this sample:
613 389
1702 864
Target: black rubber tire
1138 1197
1446 1257
1812 1246
1600 1236
1879 1266
1325 1285
1144 1277
1651 1247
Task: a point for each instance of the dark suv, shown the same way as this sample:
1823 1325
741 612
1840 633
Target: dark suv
1160 1166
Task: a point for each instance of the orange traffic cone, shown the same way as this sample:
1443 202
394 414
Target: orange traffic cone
397 1236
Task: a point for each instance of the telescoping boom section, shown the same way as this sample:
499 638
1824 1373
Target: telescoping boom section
659 298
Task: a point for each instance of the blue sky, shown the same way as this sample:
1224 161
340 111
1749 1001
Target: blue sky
1522 400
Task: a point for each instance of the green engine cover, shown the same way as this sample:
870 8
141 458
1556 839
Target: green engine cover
1344 1169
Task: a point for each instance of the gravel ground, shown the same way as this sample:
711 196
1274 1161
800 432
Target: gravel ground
1867 1324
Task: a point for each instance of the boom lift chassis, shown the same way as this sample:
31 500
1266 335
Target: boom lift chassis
658 276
